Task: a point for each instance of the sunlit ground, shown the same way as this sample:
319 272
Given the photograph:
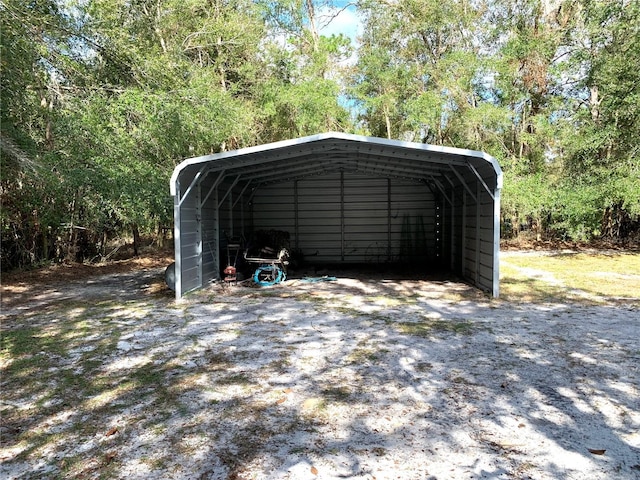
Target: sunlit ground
359 378
587 277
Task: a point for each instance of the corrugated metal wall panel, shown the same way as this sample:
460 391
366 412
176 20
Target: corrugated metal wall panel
488 248
413 223
477 236
319 230
272 209
189 253
367 240
189 277
209 246
350 220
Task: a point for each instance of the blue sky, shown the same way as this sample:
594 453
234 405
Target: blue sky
347 22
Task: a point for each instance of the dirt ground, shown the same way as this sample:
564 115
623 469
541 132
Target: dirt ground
104 375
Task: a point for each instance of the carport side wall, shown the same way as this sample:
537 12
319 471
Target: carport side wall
479 252
469 237
351 218
187 235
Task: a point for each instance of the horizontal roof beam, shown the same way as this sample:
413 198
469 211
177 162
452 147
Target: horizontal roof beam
253 161
276 173
325 168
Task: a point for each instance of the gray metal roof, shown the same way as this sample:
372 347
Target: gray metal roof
329 152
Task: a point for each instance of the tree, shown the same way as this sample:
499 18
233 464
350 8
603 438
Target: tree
603 154
301 90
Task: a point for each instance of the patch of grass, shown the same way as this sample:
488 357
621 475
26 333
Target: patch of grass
516 286
348 311
148 375
460 380
235 379
394 301
336 394
599 276
280 365
307 297
30 341
429 327
379 451
216 361
53 367
363 354
423 367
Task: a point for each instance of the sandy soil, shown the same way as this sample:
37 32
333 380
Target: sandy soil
362 377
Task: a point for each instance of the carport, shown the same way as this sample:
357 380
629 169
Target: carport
343 199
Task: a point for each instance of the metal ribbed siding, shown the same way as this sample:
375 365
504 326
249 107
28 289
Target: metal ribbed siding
452 194
346 217
189 241
469 235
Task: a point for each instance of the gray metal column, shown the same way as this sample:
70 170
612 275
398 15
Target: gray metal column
177 241
496 243
463 235
342 215
231 233
477 232
388 219
296 227
199 248
216 235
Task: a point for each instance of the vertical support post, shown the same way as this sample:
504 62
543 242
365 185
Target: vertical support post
177 241
216 235
439 228
452 240
342 215
241 214
496 243
240 198
296 230
199 249
231 233
478 199
463 240
251 212
389 219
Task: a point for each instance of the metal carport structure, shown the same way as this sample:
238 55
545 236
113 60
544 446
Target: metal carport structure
344 199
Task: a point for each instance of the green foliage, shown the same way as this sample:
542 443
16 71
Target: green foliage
551 90
101 99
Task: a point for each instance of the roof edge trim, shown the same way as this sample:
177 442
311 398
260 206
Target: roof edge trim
339 136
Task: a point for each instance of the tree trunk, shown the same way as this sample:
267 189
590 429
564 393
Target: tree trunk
45 245
136 239
160 236
387 122
313 29
72 238
594 103
105 239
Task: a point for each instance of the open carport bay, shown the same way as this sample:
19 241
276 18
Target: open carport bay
341 199
355 378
